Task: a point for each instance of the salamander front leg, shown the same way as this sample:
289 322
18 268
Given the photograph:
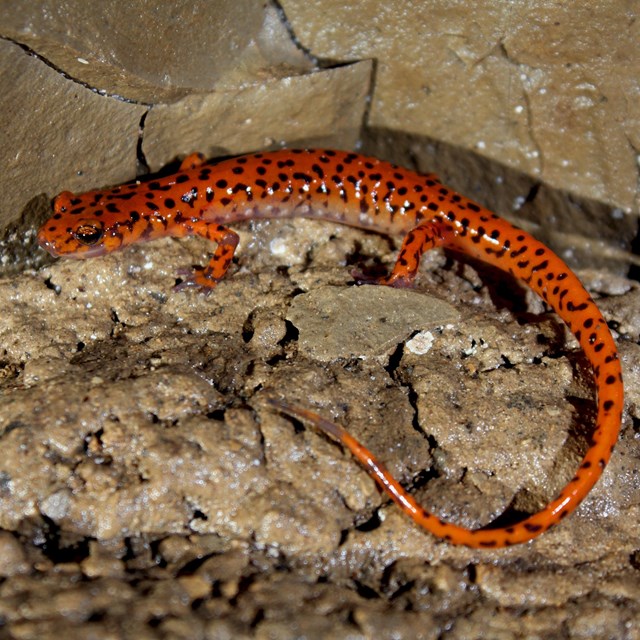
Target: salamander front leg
206 278
192 161
420 239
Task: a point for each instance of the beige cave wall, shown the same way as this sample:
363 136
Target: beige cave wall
99 93
148 488
529 107
547 87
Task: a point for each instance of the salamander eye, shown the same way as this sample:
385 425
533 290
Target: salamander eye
89 234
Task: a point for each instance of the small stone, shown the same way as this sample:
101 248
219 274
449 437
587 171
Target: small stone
13 559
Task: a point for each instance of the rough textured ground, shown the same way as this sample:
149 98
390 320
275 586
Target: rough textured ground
149 492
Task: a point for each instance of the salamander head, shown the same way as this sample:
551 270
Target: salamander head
80 227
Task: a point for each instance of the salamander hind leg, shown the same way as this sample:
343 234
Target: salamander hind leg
420 239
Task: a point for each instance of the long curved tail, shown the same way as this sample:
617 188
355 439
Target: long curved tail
495 241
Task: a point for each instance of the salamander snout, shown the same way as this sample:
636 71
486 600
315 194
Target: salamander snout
72 231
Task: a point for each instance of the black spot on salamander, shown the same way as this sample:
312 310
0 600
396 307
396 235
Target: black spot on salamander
306 178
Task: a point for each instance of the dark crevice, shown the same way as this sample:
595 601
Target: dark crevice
366 591
257 618
294 38
344 536
392 369
296 292
371 524
190 567
143 165
366 266
216 414
247 328
158 558
130 551
56 288
424 477
506 363
199 603
249 369
509 517
275 360
406 587
97 436
298 425
291 334
12 426
533 192
394 361
244 585
634 269
53 547
97 616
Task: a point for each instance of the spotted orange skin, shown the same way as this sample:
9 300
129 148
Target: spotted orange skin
203 197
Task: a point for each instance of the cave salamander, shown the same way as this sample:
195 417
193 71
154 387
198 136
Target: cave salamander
203 198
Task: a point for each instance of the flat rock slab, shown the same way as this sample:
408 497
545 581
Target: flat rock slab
83 136
362 322
261 115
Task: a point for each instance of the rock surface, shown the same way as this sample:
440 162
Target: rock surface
544 87
148 490
148 485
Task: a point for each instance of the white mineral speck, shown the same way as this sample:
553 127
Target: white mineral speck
421 343
278 247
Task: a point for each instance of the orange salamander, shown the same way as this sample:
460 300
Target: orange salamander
202 198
